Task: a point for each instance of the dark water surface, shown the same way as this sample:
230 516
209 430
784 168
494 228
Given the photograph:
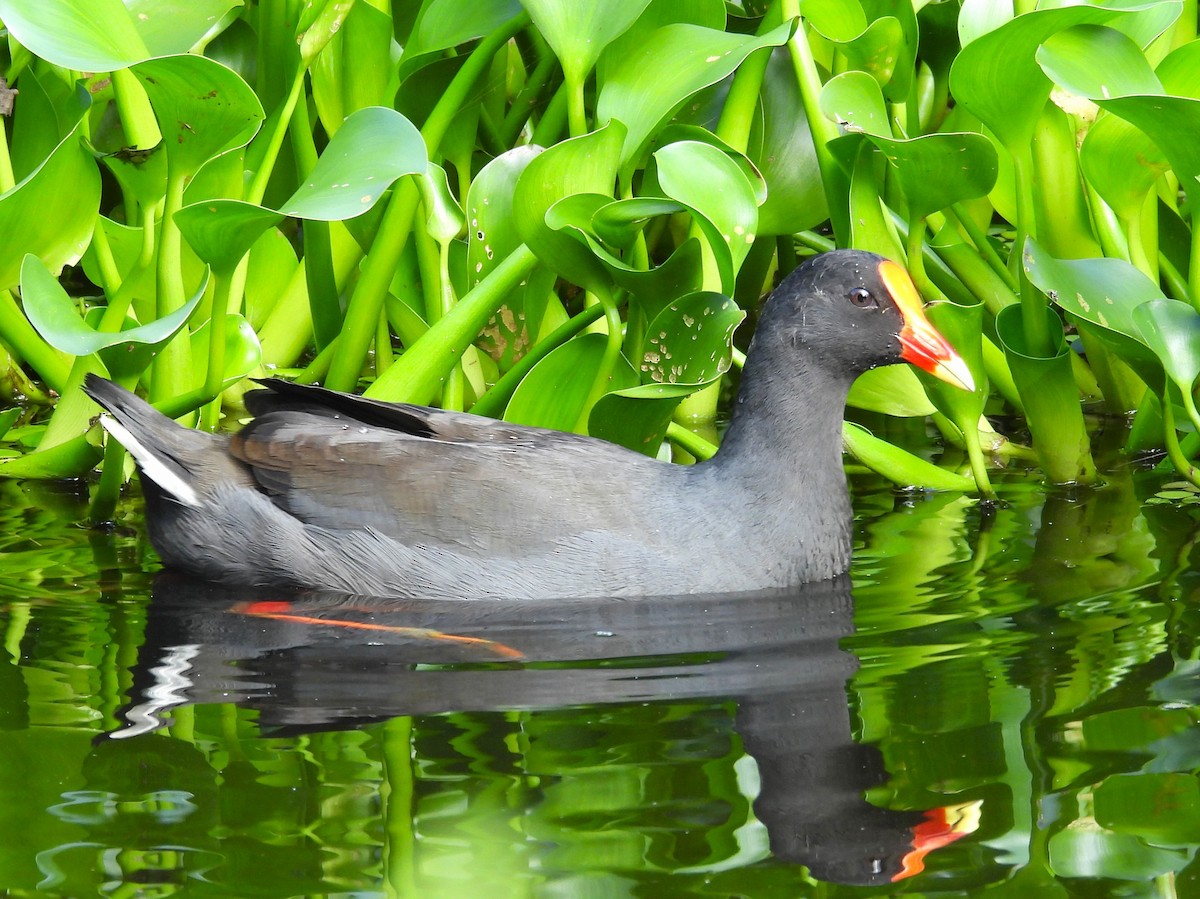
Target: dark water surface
1016 689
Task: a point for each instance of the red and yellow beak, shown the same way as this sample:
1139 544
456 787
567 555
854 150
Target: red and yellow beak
921 343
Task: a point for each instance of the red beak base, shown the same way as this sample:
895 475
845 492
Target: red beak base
921 343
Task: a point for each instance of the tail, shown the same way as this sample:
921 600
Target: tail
160 447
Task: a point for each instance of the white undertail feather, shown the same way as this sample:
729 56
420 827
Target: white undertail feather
152 466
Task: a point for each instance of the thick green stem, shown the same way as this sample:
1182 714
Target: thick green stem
1194 267
1171 438
835 179
1038 341
576 112
612 351
737 115
7 180
215 378
977 236
137 116
690 441
358 329
258 187
418 374
172 366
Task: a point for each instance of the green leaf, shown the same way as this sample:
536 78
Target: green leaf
1122 163
586 164
786 157
997 77
40 217
443 24
103 35
579 32
203 109
934 170
685 59
1051 399
723 201
637 417
1103 293
1171 329
892 390
57 319
76 34
1133 93
854 100
221 232
555 391
168 27
689 341
373 147
444 218
355 69
875 48
491 222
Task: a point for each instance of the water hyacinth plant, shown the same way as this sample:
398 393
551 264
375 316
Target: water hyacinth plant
559 213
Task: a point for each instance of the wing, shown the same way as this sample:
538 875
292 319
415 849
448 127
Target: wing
426 476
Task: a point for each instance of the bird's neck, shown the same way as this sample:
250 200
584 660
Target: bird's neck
787 419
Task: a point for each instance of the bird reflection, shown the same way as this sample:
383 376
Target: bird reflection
310 662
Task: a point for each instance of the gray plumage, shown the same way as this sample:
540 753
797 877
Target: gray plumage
338 492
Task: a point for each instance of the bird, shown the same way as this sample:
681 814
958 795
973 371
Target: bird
326 490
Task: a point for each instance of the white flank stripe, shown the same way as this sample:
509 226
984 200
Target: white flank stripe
152 466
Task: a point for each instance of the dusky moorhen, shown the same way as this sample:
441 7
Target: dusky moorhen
333 491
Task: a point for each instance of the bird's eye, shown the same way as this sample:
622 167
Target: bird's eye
862 298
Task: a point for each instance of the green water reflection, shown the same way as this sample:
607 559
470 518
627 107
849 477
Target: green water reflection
1038 658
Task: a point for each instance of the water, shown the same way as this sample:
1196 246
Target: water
1031 669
